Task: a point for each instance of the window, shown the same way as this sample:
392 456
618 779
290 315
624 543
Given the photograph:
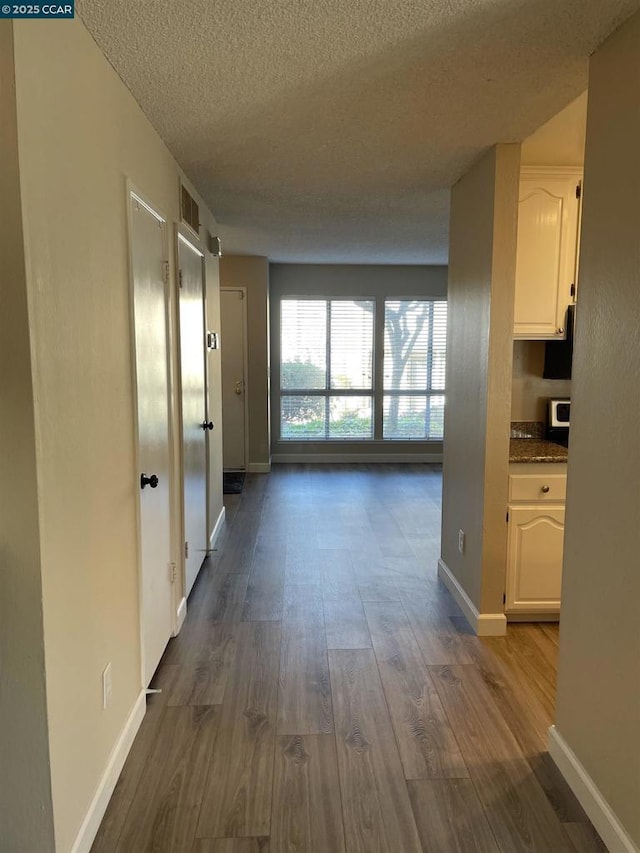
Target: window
326 369
329 359
415 340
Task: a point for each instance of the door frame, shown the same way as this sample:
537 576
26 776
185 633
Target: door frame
132 191
245 369
186 235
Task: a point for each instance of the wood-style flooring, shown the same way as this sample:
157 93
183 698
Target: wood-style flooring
326 695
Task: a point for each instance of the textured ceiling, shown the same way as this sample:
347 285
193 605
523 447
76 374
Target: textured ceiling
331 130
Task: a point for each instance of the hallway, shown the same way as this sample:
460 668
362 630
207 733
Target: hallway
325 694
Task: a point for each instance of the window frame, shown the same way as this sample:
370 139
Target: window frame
328 391
377 392
429 391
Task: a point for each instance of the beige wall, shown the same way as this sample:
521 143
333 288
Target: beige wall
479 353
598 704
25 792
81 135
559 141
529 390
252 272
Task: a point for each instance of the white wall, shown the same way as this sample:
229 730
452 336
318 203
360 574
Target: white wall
598 702
25 791
360 281
81 136
479 354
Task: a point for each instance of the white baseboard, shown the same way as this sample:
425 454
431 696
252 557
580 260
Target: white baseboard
217 527
181 615
597 808
350 458
484 624
259 468
100 801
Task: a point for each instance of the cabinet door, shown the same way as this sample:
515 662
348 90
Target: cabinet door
546 255
534 568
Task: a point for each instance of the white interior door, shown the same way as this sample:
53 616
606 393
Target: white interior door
233 324
194 409
148 265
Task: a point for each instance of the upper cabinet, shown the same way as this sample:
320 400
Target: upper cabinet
546 262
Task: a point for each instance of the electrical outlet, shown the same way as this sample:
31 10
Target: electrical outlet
107 686
461 541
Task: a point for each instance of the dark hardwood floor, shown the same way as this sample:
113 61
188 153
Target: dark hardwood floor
326 695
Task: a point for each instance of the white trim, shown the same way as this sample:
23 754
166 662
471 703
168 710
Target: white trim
245 380
355 457
147 207
100 801
181 612
597 808
190 245
484 624
552 171
491 625
245 371
181 615
259 468
181 239
218 526
133 193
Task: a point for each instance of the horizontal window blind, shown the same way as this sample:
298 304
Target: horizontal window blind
351 344
327 383
415 339
326 369
303 344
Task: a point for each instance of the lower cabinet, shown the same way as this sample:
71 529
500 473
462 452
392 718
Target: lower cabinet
534 561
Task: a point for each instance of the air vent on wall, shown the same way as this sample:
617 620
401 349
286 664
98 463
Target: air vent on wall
189 210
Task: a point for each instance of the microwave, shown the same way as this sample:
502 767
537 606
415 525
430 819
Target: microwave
559 413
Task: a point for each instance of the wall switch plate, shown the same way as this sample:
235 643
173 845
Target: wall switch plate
107 686
461 541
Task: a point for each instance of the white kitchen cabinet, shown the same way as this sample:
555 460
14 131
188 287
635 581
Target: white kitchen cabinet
535 539
546 261
534 573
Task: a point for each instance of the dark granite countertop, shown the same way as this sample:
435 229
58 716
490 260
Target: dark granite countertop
536 450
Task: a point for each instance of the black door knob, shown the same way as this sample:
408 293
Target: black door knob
148 481
207 424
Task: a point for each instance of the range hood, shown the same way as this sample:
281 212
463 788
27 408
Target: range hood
558 355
